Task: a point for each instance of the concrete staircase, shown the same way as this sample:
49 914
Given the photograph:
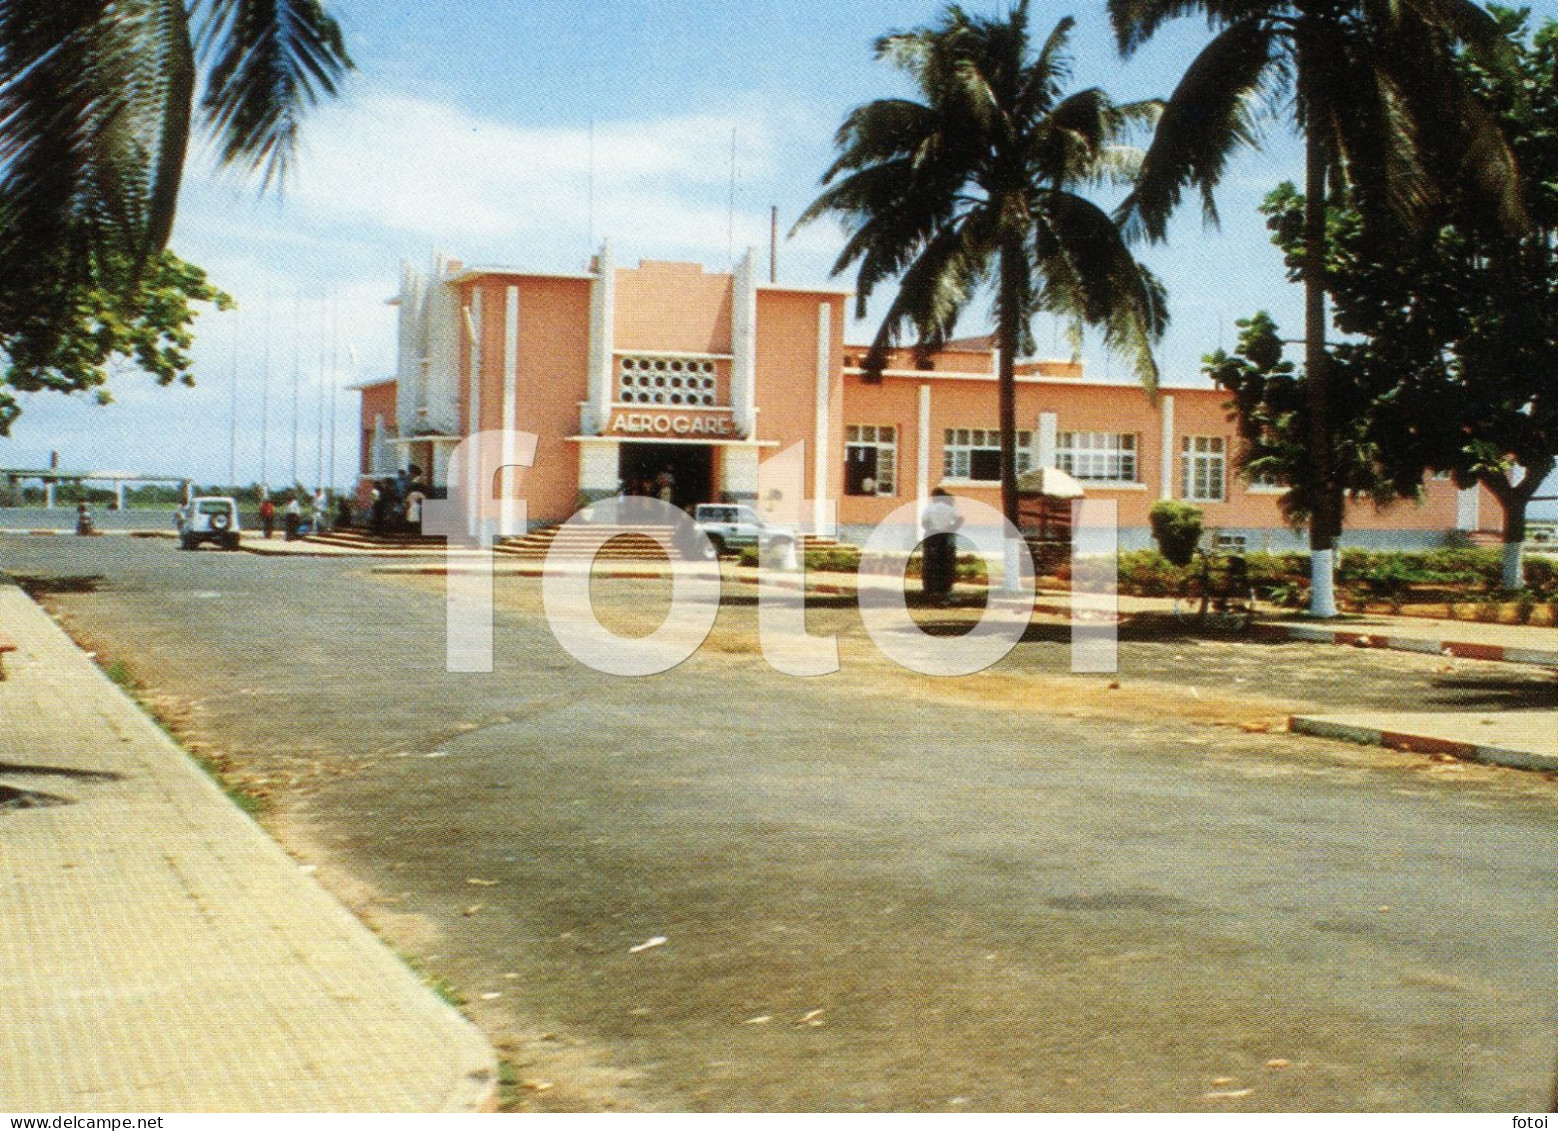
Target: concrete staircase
627 543
352 539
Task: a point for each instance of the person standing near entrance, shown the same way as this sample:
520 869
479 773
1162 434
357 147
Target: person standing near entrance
665 487
292 518
267 515
319 514
939 560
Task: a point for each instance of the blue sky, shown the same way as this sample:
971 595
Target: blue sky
468 128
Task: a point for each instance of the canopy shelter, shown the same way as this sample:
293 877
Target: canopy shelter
49 476
1044 497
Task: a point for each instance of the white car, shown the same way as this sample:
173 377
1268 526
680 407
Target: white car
730 526
209 518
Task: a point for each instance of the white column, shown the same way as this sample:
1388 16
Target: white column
473 393
119 494
603 341
48 494
824 410
743 345
599 469
1047 440
507 515
475 490
738 474
1166 456
922 453
1468 509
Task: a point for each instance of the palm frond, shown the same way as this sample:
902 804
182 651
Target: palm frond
268 61
1090 276
1212 112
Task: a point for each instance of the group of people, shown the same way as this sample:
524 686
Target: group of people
293 514
395 504
661 486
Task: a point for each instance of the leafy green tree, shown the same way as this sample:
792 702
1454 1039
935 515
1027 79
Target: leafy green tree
978 187
1454 333
72 351
1386 113
98 103
1271 412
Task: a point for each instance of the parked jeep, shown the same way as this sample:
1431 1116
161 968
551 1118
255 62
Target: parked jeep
730 526
210 518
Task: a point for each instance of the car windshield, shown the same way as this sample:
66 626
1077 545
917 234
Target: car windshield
212 506
717 514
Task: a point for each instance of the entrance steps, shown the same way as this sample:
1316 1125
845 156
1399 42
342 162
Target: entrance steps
349 539
626 543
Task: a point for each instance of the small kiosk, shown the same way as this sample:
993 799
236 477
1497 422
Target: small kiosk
1044 498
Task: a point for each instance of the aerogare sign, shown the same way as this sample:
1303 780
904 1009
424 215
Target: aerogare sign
717 425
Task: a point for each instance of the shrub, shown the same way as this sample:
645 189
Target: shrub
1147 573
1541 575
1177 529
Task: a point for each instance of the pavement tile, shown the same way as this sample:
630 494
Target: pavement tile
160 952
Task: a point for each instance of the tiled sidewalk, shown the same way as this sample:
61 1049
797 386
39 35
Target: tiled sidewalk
159 952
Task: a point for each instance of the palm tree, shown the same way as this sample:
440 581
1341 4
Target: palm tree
977 187
1386 117
98 101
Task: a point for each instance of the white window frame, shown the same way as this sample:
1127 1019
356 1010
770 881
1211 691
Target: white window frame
959 444
882 439
1098 457
1203 463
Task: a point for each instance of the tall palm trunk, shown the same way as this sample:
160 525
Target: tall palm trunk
1324 519
1006 379
1006 333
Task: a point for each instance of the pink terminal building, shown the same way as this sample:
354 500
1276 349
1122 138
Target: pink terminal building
625 373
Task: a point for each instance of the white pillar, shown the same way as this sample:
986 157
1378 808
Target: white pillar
922 454
119 494
1047 440
474 488
1166 455
743 345
48 494
473 390
507 515
603 341
824 410
1468 509
738 474
599 469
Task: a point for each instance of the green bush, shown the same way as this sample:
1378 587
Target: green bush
1147 573
1177 528
1541 576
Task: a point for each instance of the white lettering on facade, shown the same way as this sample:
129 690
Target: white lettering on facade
671 424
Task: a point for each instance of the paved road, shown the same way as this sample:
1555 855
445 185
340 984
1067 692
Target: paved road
1020 891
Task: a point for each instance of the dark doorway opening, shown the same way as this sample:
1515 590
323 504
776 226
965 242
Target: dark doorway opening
689 469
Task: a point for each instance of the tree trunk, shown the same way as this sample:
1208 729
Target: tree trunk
1325 521
1514 499
1007 335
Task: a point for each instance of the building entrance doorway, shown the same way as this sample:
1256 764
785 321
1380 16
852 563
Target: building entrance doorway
689 468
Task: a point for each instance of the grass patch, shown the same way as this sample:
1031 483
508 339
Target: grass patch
214 767
440 985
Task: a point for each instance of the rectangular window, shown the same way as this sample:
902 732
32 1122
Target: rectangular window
974 454
1098 457
870 459
1205 470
